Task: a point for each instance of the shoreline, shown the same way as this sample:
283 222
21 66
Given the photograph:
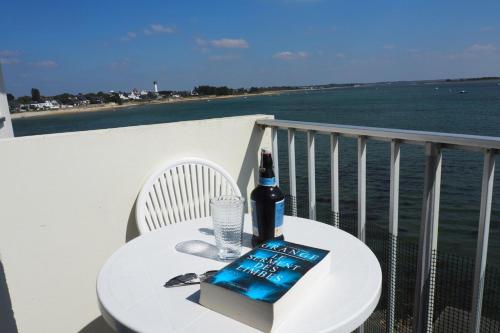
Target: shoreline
116 107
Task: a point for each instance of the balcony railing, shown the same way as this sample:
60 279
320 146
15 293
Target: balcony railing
434 143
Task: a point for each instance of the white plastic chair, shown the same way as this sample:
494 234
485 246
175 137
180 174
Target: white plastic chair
181 191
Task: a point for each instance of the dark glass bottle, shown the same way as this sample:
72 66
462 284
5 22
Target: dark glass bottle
268 203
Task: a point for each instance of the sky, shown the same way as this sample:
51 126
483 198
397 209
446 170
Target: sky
86 46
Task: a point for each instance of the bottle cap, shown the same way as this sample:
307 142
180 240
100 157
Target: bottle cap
265 151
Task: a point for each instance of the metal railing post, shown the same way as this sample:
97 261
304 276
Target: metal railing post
362 188
334 160
291 170
362 196
482 240
393 233
274 138
311 168
424 287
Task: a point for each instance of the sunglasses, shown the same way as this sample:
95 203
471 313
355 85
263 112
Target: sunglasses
188 279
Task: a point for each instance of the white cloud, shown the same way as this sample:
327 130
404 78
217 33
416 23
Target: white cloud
288 55
9 61
230 43
9 53
340 55
158 29
224 57
45 64
8 57
475 51
481 48
120 64
130 35
486 29
200 42
389 46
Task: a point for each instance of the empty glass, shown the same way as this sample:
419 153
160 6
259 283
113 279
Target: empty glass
227 215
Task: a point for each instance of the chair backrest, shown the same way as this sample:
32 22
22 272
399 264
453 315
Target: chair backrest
181 191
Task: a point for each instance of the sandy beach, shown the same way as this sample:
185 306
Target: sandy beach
116 107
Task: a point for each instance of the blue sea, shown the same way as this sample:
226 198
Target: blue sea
429 107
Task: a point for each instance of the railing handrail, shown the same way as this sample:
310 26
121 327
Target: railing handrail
448 140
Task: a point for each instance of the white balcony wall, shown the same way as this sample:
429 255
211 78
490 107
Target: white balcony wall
67 203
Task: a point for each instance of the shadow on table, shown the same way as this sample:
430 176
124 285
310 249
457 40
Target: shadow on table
97 325
246 240
204 249
194 297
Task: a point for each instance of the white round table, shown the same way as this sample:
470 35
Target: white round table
132 297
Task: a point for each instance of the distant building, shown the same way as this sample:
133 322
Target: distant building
155 84
134 95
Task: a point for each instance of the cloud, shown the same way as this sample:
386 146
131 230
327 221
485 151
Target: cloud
120 64
9 61
389 46
9 53
224 57
44 64
130 35
8 57
481 48
200 42
486 29
287 55
340 55
230 43
158 29
474 51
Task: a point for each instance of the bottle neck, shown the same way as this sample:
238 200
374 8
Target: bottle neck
266 172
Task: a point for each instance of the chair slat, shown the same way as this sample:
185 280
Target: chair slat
218 185
201 192
189 190
178 195
166 196
159 203
206 191
194 182
183 190
171 194
151 209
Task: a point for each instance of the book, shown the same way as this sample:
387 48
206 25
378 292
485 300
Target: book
263 287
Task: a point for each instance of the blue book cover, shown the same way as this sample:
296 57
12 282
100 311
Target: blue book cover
269 271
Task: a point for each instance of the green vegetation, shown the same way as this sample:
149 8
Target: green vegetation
35 95
484 78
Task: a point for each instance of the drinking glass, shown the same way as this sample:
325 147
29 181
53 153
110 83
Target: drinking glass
227 216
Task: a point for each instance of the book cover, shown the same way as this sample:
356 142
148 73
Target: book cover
261 279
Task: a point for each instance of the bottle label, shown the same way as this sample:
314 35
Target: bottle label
278 218
254 218
267 181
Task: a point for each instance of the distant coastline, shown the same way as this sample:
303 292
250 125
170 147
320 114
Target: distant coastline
116 107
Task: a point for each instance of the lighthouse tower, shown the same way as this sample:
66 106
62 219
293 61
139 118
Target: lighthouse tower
156 86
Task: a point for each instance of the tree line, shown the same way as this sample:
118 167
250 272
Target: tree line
114 97
207 90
